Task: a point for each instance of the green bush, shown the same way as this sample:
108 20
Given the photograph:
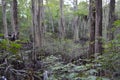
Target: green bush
9 46
67 48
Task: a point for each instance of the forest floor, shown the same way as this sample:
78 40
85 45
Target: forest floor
57 60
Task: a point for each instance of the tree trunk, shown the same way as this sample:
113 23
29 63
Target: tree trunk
14 18
75 23
37 27
76 29
33 57
38 24
98 27
61 21
111 19
4 19
42 24
92 26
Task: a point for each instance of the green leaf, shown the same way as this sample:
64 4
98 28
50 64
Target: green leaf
117 23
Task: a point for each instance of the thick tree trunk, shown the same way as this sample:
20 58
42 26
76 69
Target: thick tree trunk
14 18
38 24
98 27
111 19
4 19
37 27
61 21
92 26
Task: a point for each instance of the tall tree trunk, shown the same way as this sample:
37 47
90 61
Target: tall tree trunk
92 26
14 18
42 23
61 21
111 19
98 27
4 19
75 22
37 27
33 57
38 23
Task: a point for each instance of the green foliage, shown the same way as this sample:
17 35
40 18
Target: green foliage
14 47
10 47
116 26
110 59
66 48
117 23
1 35
61 65
69 71
25 18
110 64
82 9
4 44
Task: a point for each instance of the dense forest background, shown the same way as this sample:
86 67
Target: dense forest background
60 39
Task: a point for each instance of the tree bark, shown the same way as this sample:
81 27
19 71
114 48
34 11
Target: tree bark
33 57
75 22
37 27
92 26
98 27
14 18
38 23
111 19
61 21
4 19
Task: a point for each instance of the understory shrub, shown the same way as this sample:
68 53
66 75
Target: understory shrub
67 48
